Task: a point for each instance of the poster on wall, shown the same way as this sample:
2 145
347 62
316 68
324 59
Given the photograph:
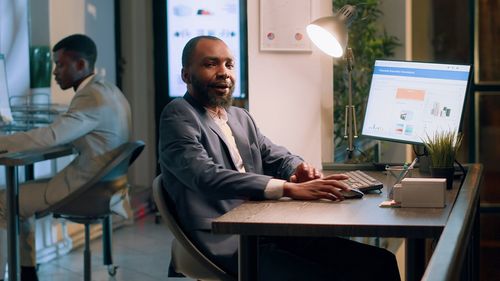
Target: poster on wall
283 25
190 18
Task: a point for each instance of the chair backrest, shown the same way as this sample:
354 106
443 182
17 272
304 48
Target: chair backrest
92 199
166 207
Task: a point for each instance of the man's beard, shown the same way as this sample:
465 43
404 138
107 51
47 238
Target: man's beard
211 99
216 101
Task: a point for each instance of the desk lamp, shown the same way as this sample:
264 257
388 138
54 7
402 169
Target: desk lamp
330 35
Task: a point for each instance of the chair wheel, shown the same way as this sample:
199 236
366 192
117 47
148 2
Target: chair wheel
112 269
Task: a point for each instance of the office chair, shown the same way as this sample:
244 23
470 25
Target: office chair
186 257
90 204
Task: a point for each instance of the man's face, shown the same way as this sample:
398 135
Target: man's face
67 69
210 74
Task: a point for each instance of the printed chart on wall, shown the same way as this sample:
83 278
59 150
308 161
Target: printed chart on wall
190 18
409 101
283 25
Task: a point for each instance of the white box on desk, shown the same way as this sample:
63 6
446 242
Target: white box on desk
423 192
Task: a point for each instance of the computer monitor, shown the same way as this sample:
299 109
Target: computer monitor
410 101
5 113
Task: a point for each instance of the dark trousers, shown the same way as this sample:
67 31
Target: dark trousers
302 258
306 258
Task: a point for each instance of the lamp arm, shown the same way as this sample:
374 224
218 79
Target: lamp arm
349 57
350 129
355 127
350 68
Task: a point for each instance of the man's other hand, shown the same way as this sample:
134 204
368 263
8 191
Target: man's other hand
321 188
305 172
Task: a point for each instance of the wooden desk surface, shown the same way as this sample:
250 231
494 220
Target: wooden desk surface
354 217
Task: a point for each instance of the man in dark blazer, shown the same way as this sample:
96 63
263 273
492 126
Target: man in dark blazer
213 158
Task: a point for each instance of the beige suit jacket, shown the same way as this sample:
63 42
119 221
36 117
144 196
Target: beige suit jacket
98 120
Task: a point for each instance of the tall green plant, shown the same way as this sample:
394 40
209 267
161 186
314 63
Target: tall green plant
369 41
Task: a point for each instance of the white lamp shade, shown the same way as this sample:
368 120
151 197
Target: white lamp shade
329 35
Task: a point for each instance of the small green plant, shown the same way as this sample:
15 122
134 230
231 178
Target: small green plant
442 148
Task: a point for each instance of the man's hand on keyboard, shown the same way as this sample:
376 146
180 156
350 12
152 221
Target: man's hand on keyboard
322 188
305 172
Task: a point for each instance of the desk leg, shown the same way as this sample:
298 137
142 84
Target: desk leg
107 232
12 194
415 259
29 172
248 254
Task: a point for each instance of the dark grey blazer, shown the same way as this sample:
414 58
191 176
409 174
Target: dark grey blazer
201 177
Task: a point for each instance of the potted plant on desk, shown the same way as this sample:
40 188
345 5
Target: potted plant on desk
442 149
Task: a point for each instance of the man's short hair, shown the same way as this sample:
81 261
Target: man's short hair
80 44
187 52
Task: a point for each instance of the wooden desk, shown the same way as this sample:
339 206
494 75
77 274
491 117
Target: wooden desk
356 218
11 161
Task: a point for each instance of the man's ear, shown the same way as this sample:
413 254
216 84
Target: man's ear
82 64
185 76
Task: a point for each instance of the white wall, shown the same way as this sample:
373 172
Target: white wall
91 17
291 94
14 44
138 83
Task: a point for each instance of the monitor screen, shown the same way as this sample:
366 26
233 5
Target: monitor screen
5 113
410 101
190 18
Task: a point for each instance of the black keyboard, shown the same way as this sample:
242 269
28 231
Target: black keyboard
362 181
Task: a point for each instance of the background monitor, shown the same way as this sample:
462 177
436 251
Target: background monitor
190 18
409 101
5 113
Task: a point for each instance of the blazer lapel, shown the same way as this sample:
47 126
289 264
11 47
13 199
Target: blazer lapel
241 139
211 124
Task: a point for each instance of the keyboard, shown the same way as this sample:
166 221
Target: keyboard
362 181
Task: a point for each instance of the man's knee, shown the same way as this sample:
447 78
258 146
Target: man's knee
386 263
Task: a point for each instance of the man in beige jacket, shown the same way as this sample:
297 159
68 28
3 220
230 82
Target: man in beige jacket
97 121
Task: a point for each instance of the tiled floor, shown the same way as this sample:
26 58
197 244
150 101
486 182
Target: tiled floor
141 250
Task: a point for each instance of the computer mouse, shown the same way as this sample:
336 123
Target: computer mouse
353 193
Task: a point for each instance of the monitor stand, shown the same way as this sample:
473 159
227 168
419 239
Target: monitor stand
424 160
